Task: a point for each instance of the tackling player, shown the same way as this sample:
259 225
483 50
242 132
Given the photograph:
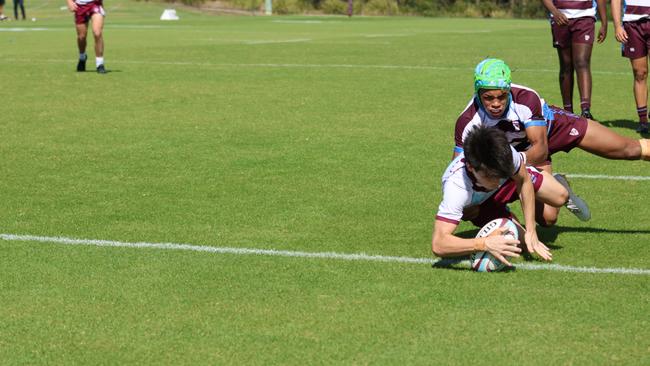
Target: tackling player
572 27
538 129
86 11
633 34
491 173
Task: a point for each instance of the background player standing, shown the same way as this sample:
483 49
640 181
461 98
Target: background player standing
634 35
86 11
573 26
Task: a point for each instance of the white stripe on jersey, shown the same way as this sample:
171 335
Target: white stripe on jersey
628 17
579 13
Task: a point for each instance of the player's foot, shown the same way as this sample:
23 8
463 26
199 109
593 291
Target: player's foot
587 114
101 69
81 65
3 17
643 127
575 204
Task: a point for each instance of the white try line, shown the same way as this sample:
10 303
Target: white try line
299 254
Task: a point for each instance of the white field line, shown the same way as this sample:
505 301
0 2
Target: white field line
297 40
609 177
23 29
299 254
306 66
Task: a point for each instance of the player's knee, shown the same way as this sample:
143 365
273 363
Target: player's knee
641 75
581 64
561 198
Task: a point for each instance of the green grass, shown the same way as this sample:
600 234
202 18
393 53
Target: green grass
289 133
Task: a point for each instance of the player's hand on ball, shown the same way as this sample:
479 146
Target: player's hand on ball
501 246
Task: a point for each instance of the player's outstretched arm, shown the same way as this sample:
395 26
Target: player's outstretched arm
527 198
446 244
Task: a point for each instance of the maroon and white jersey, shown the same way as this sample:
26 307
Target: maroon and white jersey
525 109
576 8
634 10
459 189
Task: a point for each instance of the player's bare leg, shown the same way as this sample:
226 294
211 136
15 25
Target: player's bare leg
582 65
98 27
602 141
640 70
566 77
82 32
547 210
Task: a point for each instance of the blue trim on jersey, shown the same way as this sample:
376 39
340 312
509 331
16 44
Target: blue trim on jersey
549 116
458 149
534 123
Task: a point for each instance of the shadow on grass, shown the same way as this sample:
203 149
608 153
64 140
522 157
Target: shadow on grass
548 235
623 123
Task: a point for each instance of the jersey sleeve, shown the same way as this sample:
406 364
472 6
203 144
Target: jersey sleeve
518 158
535 113
463 120
454 200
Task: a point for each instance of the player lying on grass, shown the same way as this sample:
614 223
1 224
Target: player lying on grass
491 173
538 129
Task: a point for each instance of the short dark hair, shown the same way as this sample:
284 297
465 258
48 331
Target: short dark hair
487 150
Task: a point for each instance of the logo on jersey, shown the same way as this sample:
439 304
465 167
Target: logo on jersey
586 37
632 49
574 132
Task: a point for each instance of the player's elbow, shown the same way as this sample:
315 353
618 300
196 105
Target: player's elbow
437 248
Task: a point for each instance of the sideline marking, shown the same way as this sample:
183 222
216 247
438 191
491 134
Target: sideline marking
307 66
23 29
610 177
318 255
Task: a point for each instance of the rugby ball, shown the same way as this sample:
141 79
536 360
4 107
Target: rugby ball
484 261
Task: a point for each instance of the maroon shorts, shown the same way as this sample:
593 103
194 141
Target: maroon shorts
496 206
85 11
566 130
579 30
638 42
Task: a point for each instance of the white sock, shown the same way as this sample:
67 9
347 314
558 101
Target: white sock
83 56
99 61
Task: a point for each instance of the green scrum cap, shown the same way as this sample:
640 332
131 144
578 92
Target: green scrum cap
492 73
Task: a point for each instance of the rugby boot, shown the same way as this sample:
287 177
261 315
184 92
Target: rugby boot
575 204
101 69
587 114
643 127
81 65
